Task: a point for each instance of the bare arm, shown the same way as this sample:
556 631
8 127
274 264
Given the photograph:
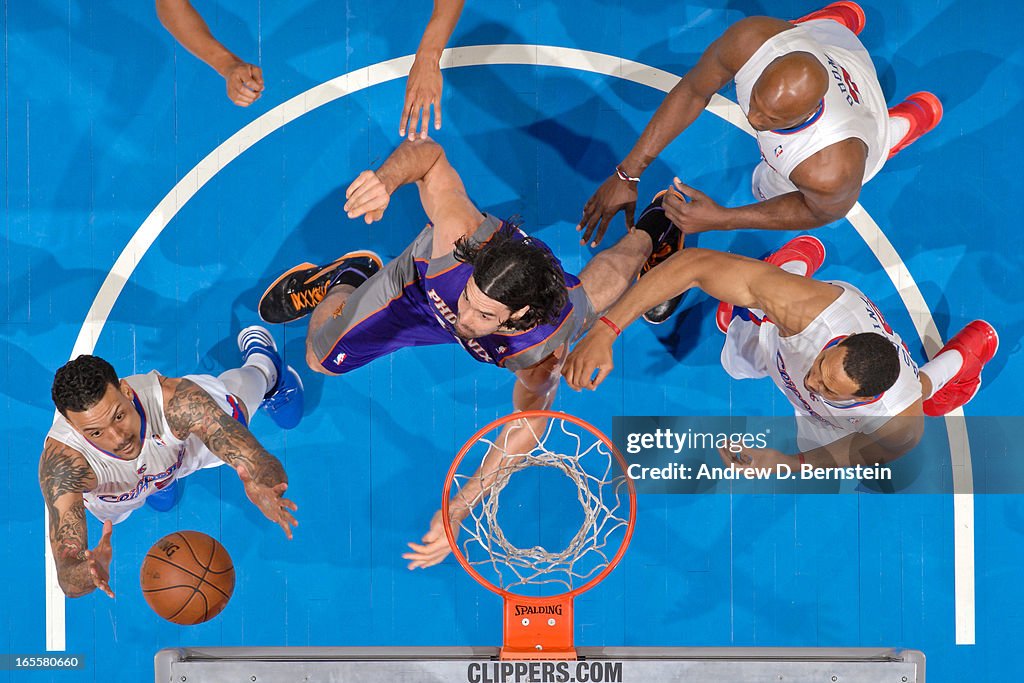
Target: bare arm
792 302
897 437
829 184
192 411
534 389
716 67
442 193
439 29
180 18
423 87
64 475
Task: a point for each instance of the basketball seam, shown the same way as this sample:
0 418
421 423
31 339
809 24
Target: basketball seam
183 606
162 559
190 548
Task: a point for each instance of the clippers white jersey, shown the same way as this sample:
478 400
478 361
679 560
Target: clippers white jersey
790 359
753 351
123 485
854 106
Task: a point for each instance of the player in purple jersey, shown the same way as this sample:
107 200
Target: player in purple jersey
467 278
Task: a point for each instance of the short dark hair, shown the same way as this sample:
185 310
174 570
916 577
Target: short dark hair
81 383
872 361
516 270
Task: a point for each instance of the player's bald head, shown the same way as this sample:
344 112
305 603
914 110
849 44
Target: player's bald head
788 91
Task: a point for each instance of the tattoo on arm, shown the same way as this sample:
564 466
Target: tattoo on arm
193 411
70 535
62 472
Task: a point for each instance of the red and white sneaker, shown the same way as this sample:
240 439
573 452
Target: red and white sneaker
849 14
923 110
804 248
977 343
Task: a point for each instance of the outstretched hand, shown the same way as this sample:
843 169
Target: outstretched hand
422 90
244 83
613 196
434 546
368 197
270 501
98 560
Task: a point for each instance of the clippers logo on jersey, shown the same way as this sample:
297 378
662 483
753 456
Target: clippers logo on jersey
449 317
845 82
791 386
158 480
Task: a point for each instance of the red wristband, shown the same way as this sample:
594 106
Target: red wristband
800 456
609 323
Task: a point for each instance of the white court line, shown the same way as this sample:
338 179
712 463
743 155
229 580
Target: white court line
525 55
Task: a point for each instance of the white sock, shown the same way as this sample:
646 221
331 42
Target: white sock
942 368
251 382
795 267
899 126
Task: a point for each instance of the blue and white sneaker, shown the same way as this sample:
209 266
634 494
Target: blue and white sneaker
166 498
283 403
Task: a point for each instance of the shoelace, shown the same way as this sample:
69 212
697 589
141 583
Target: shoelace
308 298
663 252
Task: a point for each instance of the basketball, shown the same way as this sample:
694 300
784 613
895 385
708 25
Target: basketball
187 577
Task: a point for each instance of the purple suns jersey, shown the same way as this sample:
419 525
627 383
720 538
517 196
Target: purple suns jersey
414 301
443 279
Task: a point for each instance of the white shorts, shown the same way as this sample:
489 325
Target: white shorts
767 183
742 355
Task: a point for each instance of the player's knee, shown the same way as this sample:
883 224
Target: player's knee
313 361
315 364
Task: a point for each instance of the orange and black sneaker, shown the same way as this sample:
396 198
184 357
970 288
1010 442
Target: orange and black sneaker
299 290
667 240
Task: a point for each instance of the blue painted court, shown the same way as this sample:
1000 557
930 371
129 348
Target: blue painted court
133 189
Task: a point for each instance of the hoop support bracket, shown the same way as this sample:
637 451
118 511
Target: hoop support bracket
538 628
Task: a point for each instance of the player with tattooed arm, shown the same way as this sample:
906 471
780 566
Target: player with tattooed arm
116 444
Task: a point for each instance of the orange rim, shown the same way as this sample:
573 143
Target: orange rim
526 414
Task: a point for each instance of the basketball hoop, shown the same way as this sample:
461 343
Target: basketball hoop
539 626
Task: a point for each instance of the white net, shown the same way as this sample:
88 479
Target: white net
601 492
